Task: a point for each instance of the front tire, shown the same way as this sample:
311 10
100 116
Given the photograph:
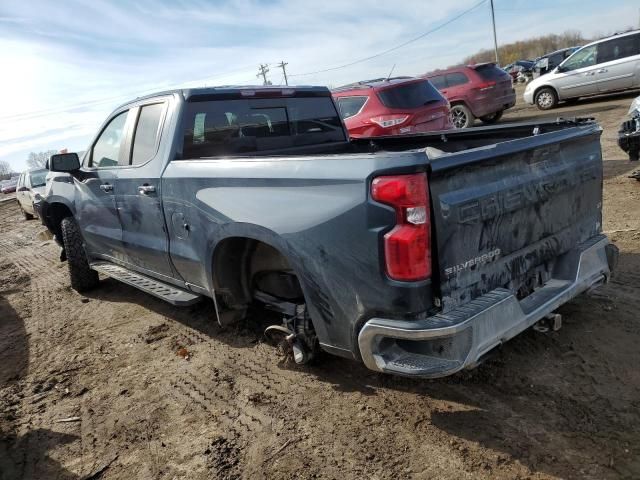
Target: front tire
546 98
82 277
461 116
27 216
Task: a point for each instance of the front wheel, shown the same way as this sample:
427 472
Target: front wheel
546 99
461 116
490 119
82 277
27 216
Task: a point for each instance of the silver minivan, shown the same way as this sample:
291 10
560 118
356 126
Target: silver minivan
608 65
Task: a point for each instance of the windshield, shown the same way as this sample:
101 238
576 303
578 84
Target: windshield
38 178
412 95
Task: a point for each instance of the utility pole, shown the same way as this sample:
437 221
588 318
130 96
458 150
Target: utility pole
495 38
283 66
264 69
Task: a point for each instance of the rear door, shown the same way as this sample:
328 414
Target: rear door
144 234
503 215
618 61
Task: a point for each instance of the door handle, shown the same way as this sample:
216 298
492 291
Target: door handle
602 70
106 187
146 189
590 73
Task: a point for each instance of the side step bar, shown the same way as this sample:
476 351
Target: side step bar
168 293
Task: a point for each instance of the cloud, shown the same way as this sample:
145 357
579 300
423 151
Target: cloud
70 63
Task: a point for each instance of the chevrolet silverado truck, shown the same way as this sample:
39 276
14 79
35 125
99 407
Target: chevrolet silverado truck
415 254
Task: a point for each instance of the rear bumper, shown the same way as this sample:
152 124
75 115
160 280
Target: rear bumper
446 343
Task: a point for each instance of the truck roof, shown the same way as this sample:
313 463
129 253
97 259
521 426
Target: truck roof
240 91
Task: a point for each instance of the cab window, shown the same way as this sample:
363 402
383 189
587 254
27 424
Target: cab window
618 48
585 57
106 150
147 133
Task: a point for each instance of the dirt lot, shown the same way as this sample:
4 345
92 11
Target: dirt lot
152 391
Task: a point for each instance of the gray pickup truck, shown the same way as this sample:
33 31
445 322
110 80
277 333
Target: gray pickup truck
415 254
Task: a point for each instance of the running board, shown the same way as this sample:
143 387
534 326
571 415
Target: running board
168 293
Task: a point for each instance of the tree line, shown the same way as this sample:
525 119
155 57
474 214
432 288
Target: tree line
528 49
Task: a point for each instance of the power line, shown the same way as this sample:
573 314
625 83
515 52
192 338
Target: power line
419 37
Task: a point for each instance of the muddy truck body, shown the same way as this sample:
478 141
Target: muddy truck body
415 254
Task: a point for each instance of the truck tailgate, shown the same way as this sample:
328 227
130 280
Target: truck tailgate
503 214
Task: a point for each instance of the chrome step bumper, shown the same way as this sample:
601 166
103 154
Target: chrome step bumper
448 342
168 293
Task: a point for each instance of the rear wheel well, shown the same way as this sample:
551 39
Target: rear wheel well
238 261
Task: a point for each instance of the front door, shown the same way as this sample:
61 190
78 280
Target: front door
577 76
96 189
144 233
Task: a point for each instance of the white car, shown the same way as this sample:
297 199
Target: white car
608 65
29 191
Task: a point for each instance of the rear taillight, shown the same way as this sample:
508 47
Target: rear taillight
407 247
387 121
486 86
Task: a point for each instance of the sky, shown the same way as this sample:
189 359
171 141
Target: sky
67 64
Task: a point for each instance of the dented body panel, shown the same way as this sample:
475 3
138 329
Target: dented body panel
515 214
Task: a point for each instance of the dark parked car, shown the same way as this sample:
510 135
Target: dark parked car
548 62
416 254
481 91
521 66
9 186
391 107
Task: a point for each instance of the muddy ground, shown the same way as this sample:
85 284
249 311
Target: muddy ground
119 385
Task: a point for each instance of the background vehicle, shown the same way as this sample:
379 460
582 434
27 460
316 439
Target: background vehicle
29 191
9 186
391 106
629 135
481 91
550 61
519 69
608 65
415 253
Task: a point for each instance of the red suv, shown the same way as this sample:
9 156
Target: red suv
481 91
392 106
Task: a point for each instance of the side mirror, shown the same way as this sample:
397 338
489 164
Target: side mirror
64 162
560 69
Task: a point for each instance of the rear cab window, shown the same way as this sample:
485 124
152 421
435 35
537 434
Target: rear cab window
351 106
438 81
247 126
409 96
147 133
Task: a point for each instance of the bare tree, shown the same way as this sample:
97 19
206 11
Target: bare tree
39 160
5 169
